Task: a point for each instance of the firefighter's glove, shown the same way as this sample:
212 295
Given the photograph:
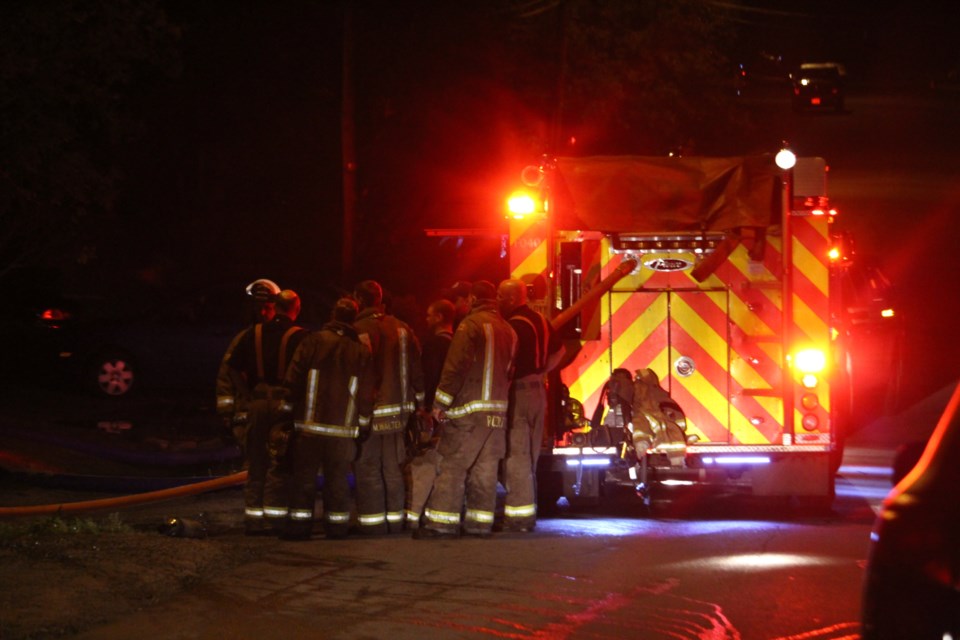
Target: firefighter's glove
364 434
279 440
280 444
427 428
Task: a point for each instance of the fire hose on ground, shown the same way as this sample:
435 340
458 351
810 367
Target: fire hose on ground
126 500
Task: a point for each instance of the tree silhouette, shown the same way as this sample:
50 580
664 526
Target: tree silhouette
70 71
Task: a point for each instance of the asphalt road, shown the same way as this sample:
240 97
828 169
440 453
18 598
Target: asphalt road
719 569
592 578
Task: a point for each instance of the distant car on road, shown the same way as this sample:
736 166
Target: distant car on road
912 580
819 85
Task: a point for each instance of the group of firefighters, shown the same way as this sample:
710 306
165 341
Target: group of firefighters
428 433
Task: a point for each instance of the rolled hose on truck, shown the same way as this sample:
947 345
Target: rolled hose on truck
193 488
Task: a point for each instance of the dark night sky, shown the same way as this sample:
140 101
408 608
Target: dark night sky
245 145
243 164
237 171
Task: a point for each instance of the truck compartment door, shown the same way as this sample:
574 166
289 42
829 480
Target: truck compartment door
683 337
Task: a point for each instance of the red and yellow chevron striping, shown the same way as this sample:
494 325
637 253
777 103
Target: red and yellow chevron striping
716 344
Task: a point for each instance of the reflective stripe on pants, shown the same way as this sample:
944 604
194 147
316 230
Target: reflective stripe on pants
470 454
524 436
381 490
310 453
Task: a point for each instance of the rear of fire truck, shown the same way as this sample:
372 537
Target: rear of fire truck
693 295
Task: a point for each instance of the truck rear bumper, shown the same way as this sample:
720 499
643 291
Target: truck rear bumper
760 471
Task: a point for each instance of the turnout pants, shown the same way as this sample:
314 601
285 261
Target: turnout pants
528 401
312 452
421 472
381 491
262 414
470 454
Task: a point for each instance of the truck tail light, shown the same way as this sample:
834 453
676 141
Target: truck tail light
810 361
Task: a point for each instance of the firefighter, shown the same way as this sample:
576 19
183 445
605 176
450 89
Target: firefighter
538 352
459 295
472 398
421 470
232 392
398 391
329 398
440 318
261 358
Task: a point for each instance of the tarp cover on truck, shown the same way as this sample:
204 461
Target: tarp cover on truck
665 194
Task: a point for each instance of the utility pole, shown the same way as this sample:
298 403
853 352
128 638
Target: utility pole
348 147
556 134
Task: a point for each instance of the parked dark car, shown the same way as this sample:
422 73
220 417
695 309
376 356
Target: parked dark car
819 85
167 341
140 339
912 581
173 341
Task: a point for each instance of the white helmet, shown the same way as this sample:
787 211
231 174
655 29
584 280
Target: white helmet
263 290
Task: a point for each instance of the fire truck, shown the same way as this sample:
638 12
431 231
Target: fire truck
709 279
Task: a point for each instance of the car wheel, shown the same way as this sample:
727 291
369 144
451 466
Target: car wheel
113 374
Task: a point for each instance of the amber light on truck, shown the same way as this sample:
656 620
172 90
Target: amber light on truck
521 205
810 361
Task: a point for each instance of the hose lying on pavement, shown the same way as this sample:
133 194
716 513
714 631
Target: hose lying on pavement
128 500
105 483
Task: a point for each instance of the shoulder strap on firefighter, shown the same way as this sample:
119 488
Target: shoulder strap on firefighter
258 347
544 337
540 340
282 356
